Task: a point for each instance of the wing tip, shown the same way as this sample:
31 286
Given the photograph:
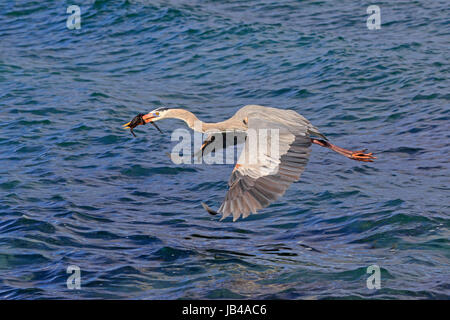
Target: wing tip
208 209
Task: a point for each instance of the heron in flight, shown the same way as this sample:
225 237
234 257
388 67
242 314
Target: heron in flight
253 186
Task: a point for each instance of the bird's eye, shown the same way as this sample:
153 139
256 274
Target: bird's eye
157 113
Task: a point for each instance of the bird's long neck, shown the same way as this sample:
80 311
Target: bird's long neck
196 124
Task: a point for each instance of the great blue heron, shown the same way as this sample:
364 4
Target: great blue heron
254 186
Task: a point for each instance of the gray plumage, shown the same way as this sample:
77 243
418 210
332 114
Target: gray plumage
253 187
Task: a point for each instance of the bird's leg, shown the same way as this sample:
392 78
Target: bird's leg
205 143
211 139
359 155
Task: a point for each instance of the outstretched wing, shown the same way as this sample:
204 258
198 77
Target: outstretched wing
253 186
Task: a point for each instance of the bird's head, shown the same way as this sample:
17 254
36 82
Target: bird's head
142 119
156 115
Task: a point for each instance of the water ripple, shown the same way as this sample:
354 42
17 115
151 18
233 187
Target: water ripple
76 189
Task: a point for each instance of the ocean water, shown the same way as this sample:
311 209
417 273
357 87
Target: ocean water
76 189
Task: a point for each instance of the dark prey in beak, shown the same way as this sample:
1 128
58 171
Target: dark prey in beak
138 120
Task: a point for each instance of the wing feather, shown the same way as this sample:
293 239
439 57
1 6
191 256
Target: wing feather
253 187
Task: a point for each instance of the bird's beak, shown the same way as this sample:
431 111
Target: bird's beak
148 119
127 125
140 119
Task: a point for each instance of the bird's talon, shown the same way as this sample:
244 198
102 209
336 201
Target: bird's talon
362 156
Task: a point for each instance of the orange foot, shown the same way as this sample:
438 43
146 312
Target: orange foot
360 155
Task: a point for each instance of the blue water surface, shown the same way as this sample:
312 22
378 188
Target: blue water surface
76 189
